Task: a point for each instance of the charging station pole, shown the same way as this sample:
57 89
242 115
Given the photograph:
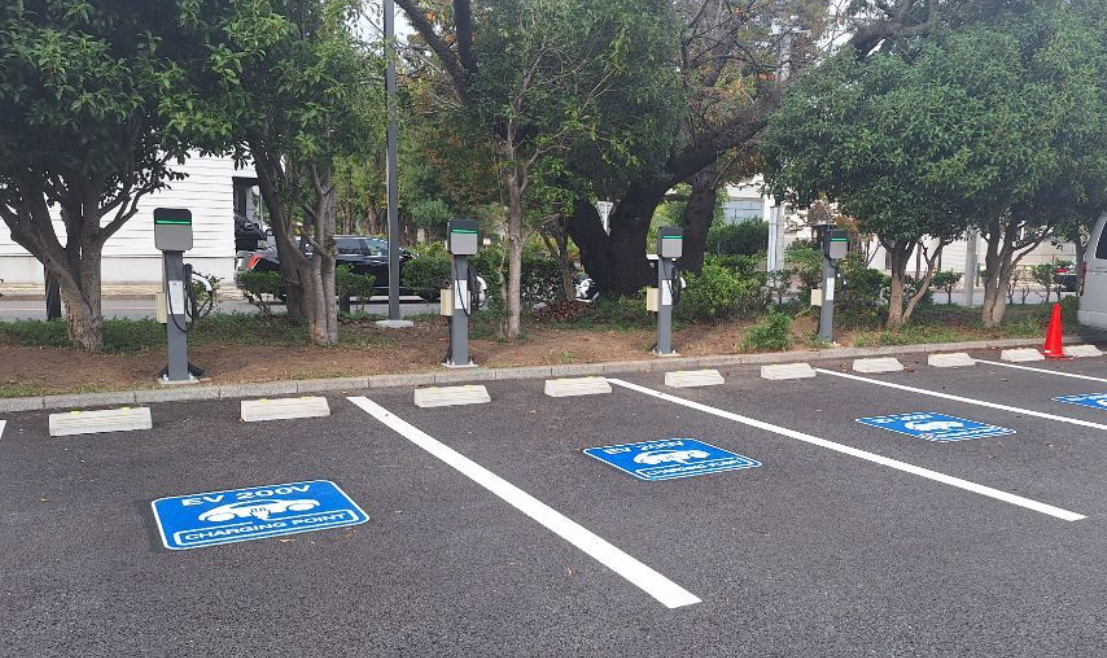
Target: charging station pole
173 237
670 243
461 242
835 245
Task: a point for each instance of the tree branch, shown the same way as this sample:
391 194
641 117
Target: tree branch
454 69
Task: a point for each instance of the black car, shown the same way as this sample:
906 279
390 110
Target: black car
366 255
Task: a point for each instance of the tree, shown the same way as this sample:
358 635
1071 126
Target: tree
874 135
734 68
290 79
1042 274
1033 97
946 281
1001 121
94 99
550 83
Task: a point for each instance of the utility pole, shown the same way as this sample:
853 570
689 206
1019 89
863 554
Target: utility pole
394 319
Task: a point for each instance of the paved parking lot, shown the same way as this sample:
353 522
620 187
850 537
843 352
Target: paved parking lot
492 533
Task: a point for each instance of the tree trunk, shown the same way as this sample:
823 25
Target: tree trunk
698 217
1003 256
924 284
53 296
82 304
514 236
322 303
617 262
557 243
268 168
998 265
899 254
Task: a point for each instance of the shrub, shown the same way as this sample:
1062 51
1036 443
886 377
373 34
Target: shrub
946 282
427 273
911 287
805 262
619 312
261 289
743 266
347 284
1070 306
744 239
713 293
864 294
541 281
772 333
488 262
206 296
431 215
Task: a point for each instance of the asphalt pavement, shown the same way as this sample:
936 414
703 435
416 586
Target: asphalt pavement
492 533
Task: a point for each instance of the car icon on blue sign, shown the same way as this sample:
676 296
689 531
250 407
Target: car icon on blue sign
258 509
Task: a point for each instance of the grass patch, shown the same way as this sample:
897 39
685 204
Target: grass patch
21 390
948 324
123 336
624 314
245 329
34 333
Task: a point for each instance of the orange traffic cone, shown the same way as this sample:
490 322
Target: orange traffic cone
1053 349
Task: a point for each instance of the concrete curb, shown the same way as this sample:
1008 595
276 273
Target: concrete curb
293 387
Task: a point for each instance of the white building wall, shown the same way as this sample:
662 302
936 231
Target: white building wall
954 255
129 256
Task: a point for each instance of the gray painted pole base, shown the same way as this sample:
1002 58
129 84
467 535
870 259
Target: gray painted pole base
184 382
395 324
459 366
665 355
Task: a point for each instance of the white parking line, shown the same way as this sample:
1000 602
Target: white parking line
958 398
1027 503
1043 371
651 582
2 424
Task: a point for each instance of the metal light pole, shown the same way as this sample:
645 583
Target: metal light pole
391 177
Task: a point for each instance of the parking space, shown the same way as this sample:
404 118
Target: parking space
492 532
1046 460
438 569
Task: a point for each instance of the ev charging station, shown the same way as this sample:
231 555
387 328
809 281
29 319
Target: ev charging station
834 243
458 302
173 237
670 247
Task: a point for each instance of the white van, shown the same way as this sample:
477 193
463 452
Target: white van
1093 279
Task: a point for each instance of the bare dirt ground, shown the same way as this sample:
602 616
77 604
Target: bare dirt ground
367 350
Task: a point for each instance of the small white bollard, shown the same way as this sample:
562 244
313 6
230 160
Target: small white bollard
567 388
873 366
693 378
783 371
284 409
450 396
95 422
954 360
1022 355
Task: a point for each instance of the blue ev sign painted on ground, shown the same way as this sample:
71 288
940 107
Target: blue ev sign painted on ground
670 459
224 517
939 428
1093 400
